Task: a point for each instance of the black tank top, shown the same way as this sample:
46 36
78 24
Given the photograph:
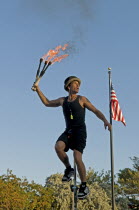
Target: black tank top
74 113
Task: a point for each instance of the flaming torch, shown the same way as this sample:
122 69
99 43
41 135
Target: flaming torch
49 58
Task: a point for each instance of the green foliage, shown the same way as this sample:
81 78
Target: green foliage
103 179
128 181
97 199
122 203
11 194
62 196
135 163
18 194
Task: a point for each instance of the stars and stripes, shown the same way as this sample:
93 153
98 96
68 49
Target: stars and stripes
115 108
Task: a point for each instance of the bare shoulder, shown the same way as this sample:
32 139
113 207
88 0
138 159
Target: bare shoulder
61 100
83 100
87 104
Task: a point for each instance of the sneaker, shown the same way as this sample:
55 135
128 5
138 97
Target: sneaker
83 191
68 174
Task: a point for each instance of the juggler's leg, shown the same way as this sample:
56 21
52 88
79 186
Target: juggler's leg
80 165
59 147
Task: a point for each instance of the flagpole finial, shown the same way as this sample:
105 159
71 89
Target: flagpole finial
109 68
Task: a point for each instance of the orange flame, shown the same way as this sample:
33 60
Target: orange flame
64 47
52 53
58 47
59 58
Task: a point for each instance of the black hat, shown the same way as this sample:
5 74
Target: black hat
70 79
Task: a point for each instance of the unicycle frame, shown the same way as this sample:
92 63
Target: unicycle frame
75 188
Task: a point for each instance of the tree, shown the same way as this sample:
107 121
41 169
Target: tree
135 163
97 199
128 180
16 194
62 196
103 180
11 194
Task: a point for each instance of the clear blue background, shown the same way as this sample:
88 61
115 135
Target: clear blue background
101 34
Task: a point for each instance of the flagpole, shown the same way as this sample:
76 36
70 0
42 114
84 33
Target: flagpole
111 143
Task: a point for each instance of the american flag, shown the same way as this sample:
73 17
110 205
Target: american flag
115 108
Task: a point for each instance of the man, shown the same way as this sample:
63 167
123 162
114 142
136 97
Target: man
74 137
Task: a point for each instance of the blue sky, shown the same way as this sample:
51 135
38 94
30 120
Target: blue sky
101 34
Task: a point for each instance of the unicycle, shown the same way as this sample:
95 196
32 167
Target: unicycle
74 188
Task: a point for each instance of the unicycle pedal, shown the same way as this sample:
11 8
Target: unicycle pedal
73 187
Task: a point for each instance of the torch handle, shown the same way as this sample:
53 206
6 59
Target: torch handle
46 65
35 84
38 71
40 74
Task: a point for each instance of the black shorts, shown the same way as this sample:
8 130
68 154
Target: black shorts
74 138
